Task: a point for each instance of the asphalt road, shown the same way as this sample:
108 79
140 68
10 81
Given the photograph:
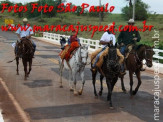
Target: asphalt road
43 101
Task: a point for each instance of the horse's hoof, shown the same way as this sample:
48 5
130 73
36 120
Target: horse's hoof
96 97
75 93
71 89
111 107
80 92
124 91
134 92
61 86
100 93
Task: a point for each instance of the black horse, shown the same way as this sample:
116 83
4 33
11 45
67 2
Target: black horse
25 51
111 70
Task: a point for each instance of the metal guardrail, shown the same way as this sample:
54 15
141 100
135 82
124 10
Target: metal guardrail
93 44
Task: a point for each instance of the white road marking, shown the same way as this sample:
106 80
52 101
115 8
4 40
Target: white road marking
16 104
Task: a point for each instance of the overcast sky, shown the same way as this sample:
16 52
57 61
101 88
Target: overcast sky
155 5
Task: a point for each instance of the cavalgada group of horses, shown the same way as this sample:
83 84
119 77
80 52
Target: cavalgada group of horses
78 62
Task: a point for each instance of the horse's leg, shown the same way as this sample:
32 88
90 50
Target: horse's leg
101 89
30 67
74 80
61 70
17 63
70 81
114 81
25 69
94 81
108 82
122 84
139 82
83 82
131 81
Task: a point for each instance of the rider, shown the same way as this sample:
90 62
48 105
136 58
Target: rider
73 43
107 38
25 31
128 40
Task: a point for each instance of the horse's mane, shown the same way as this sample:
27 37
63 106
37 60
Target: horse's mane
139 46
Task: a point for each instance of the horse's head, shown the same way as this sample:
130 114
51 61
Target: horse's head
146 52
84 54
148 55
113 52
112 60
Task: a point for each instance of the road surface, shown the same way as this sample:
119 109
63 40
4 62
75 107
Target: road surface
43 101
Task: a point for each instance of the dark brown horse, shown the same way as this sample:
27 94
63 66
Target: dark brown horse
134 64
25 51
111 70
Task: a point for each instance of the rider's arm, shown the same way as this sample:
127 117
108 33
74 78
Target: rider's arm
103 42
30 33
18 33
103 38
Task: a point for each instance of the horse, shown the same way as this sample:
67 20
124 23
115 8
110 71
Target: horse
110 69
26 52
75 65
134 63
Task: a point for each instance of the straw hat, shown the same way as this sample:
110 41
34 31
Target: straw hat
131 21
25 20
109 25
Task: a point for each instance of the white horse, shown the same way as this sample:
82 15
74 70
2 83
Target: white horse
76 65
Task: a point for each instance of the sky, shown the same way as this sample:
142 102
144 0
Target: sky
155 5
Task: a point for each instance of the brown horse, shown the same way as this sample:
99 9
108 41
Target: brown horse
25 51
134 64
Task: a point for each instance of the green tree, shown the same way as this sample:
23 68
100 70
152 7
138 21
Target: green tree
141 11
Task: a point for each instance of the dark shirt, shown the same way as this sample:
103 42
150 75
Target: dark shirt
126 37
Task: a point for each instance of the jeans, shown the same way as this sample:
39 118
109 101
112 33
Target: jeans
34 45
122 50
97 57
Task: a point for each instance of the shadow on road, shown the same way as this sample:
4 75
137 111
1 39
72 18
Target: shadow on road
140 106
39 83
53 112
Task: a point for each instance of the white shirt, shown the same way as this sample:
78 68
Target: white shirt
107 38
21 31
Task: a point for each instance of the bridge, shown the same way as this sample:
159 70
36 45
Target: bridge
39 99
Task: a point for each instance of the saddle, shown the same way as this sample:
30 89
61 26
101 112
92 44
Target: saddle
63 52
100 61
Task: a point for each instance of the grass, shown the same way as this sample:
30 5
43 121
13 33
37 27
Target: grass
71 19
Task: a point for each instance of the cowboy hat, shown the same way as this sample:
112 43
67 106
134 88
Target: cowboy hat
109 25
25 20
131 21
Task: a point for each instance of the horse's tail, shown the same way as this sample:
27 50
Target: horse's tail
11 61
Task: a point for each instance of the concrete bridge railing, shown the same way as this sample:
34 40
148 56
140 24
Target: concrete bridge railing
93 44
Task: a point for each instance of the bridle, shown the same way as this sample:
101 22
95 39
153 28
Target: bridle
146 55
80 63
